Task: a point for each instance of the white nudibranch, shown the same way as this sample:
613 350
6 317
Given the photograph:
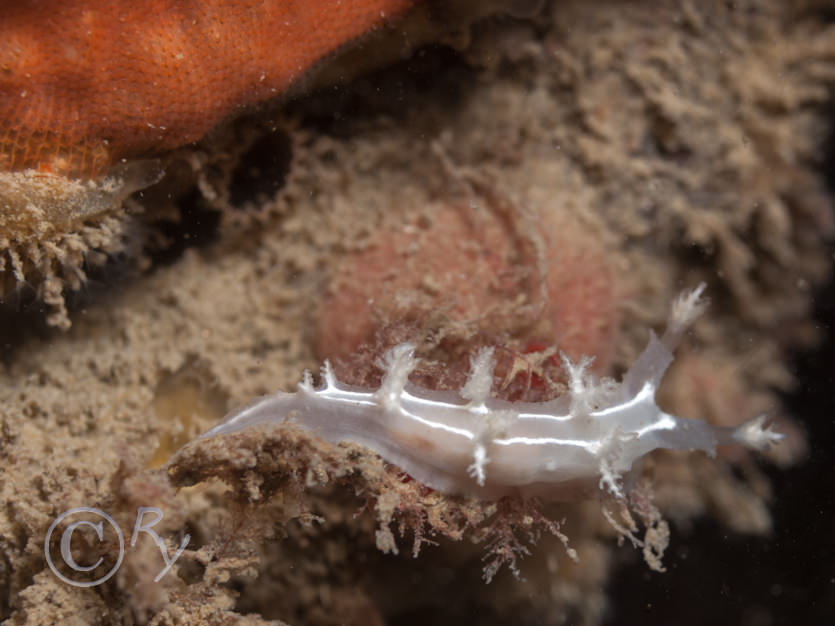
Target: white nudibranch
470 443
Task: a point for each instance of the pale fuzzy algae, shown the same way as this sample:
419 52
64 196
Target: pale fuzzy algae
594 434
52 226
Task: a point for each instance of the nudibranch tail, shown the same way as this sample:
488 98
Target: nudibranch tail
474 444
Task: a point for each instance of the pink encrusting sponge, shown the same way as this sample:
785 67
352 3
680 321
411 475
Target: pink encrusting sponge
478 276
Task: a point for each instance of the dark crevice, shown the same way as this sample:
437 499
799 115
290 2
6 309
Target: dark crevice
196 226
261 171
434 74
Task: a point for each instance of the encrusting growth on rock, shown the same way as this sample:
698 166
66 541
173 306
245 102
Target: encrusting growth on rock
86 84
89 91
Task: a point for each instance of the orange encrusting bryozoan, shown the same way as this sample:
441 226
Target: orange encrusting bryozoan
86 83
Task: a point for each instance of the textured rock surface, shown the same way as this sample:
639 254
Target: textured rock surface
686 137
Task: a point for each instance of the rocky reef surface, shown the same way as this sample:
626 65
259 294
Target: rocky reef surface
548 180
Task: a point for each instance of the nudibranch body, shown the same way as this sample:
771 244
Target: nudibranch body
470 443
